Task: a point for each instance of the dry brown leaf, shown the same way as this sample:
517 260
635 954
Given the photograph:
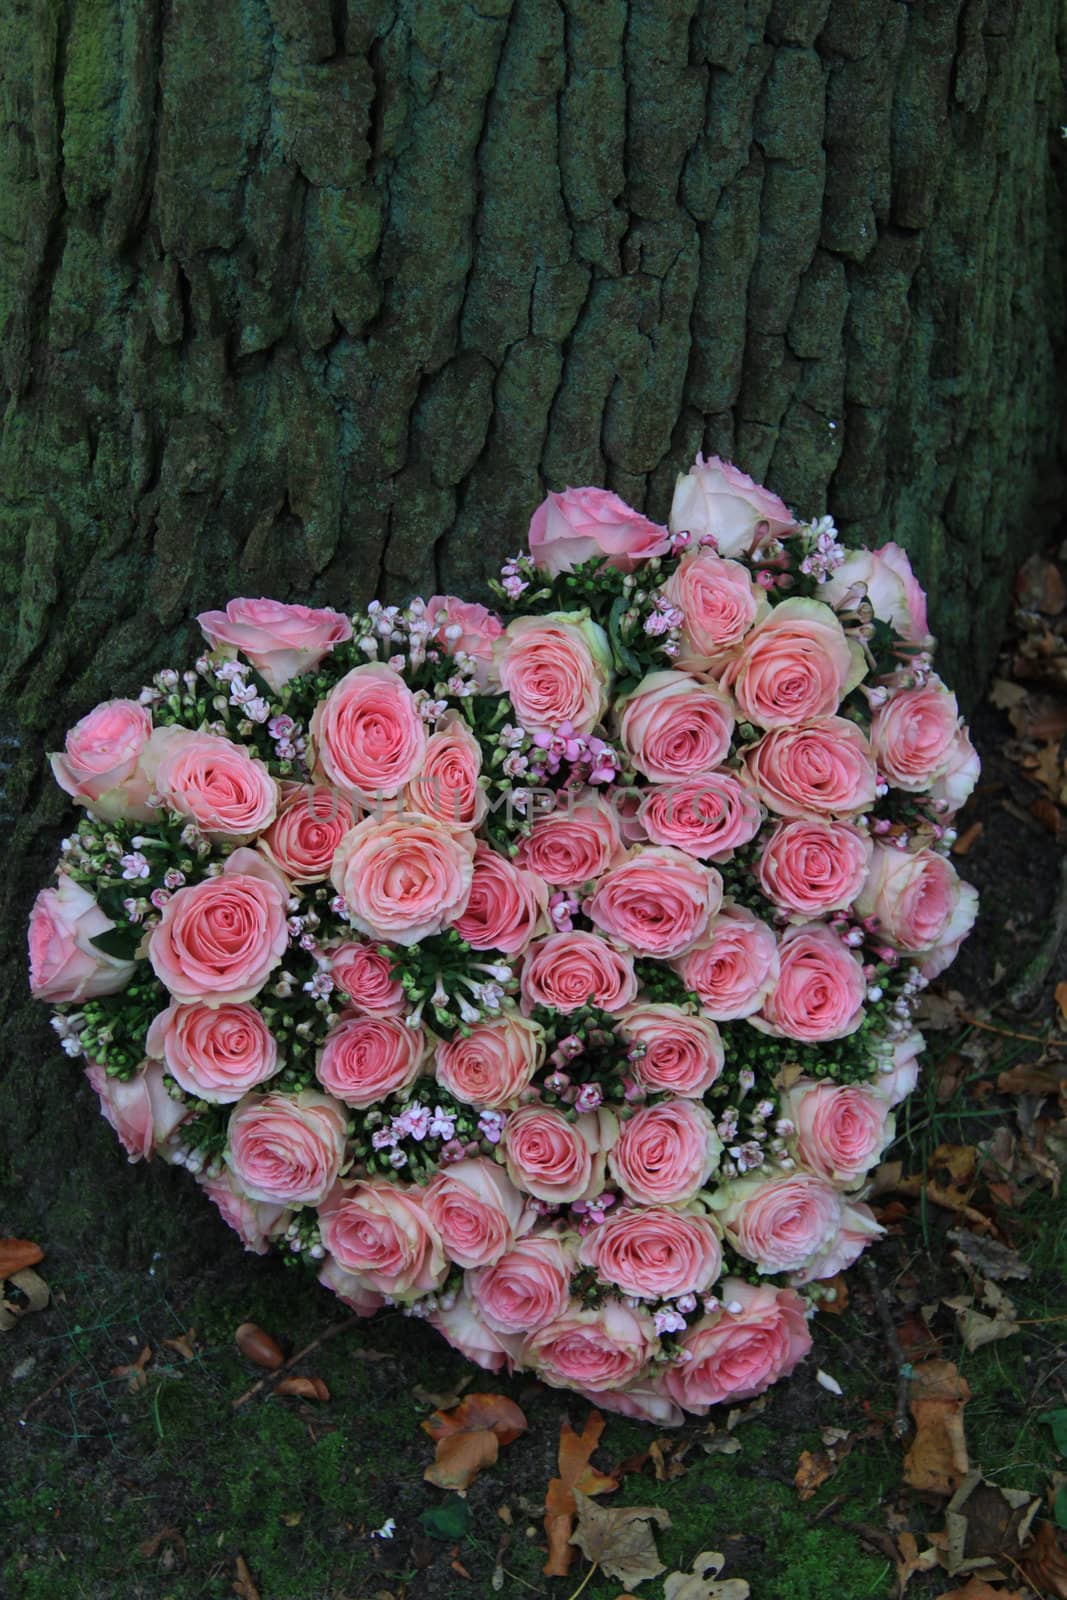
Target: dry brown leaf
990 1258
1039 586
977 1329
668 1458
701 1582
443 1399
911 1561
184 1345
977 1589
1045 1562
134 1371
469 1437
619 1539
17 1254
966 841
1004 694
1060 993
834 1297
243 1586
812 1471
575 1472
984 1524
33 1295
152 1546
302 1388
937 1458
258 1347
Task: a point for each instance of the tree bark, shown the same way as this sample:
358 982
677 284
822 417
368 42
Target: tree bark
315 299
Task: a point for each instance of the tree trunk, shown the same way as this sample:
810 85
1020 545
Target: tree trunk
314 300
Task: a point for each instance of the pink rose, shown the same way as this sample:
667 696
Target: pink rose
914 736
311 822
369 739
779 1223
735 1354
814 867
362 973
674 726
461 627
580 524
477 1211
460 1323
658 902
363 1059
898 1070
555 669
214 1053
642 1402
506 906
893 590
796 665
822 768
665 1153
493 1063
570 970
65 965
288 1148
403 878
220 940
348 1289
917 899
256 1222
820 989
716 498
841 1129
554 1159
280 641
571 846
955 785
654 1253
381 1233
857 1230
709 816
526 1288
228 793
139 1109
719 602
672 1051
447 787
99 766
603 1348
734 967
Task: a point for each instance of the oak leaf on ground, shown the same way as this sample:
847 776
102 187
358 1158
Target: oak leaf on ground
575 1473
619 1539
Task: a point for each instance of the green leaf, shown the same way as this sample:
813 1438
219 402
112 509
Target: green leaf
120 942
449 1521
623 656
1060 1508
1057 1421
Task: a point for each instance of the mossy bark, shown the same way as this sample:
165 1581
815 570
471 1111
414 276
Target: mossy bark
315 299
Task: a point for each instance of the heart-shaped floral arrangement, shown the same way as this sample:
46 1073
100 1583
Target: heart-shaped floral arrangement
549 974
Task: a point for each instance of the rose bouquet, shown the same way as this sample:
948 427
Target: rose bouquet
548 974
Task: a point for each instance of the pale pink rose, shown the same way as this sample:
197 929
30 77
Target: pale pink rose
841 1129
709 816
369 739
139 1109
477 1211
672 1051
820 989
506 905
626 804
492 1063
220 940
447 788
227 792
779 1223
653 1252
715 497
642 1402
461 1324
719 602
857 1230
796 665
256 1222
822 768
347 1287
571 846
673 726
603 1348
665 1153
734 967
955 785
65 965
253 864
462 627
311 822
214 1053
281 641
658 902
914 736
893 590
898 1073
555 669
381 1233
570 970
289 1148
363 1059
812 867
580 524
99 765
735 1355
528 1286
917 899
554 1159
365 977
403 878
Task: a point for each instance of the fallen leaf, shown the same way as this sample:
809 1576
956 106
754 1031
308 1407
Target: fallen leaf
977 1589
134 1371
1060 993
152 1546
911 1561
460 1457
701 1581
668 1458
619 1539
1039 586
812 1471
1045 1562
1048 814
1003 694
258 1347
302 1388
984 1524
976 1329
937 1458
834 1297
16 1254
966 841
449 1521
469 1437
184 1345
444 1399
32 1295
243 1587
575 1473
988 1257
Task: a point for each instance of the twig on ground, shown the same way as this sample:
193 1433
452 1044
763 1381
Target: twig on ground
1011 1033
271 1377
52 1387
1027 987
881 1300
